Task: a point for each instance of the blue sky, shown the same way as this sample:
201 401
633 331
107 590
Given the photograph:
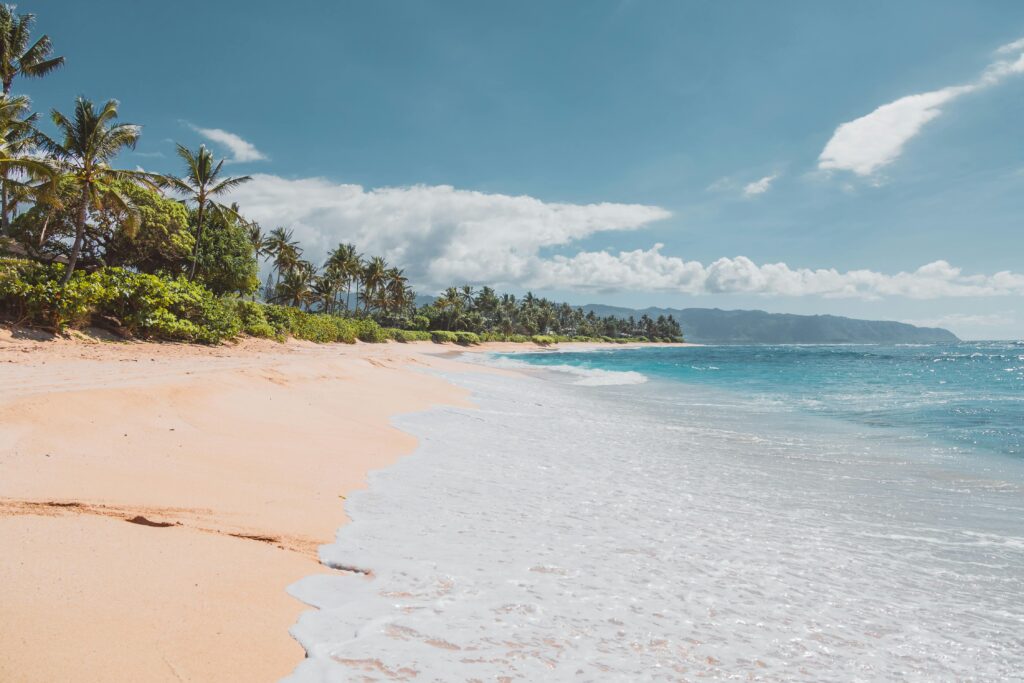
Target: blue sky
552 146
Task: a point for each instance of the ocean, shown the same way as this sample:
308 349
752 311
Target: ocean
664 514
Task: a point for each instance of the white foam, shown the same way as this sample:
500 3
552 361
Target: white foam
564 534
587 377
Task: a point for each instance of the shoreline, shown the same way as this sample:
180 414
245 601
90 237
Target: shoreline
140 552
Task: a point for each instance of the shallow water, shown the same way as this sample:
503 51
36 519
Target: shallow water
666 530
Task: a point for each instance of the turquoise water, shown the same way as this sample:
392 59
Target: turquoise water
966 395
705 513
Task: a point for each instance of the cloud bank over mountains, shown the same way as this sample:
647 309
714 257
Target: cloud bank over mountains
442 236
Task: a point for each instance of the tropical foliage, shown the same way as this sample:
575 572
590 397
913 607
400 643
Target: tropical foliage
164 256
484 312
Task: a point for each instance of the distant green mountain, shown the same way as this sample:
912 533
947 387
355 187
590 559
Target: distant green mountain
715 326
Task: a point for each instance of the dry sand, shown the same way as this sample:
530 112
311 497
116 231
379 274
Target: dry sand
233 463
157 499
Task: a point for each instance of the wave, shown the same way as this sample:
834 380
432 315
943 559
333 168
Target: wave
586 377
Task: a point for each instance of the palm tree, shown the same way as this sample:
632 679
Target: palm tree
17 138
284 249
374 275
17 57
349 265
392 297
326 287
296 287
202 182
89 142
451 301
257 239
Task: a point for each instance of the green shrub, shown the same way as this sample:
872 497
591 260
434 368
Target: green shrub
280 318
322 328
141 304
254 320
443 337
467 338
405 336
543 340
159 307
369 331
518 338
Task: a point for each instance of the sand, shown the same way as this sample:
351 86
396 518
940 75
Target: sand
157 499
233 463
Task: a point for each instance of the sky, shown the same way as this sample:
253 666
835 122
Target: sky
855 158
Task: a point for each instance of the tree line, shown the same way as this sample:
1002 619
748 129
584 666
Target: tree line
65 202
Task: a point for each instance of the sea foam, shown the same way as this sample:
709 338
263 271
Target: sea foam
644 533
587 377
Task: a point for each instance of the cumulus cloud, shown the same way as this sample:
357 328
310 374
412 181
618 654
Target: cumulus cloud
651 270
864 145
442 235
759 186
241 150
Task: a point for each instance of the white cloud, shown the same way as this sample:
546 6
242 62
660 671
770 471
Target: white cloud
759 186
966 319
442 235
1011 48
864 145
241 150
652 270
723 184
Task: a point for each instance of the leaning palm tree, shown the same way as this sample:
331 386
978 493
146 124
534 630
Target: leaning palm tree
200 185
18 55
88 143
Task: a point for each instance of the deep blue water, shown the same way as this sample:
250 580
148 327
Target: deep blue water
969 395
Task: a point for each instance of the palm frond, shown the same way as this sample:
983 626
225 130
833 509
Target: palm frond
228 185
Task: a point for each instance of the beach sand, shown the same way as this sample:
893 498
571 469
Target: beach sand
156 500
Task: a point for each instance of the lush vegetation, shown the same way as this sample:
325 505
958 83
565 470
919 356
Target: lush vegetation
163 257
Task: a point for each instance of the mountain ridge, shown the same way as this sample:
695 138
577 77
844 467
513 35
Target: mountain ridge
719 326
738 326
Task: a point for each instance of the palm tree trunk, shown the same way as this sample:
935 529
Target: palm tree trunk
76 248
4 220
199 239
42 231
